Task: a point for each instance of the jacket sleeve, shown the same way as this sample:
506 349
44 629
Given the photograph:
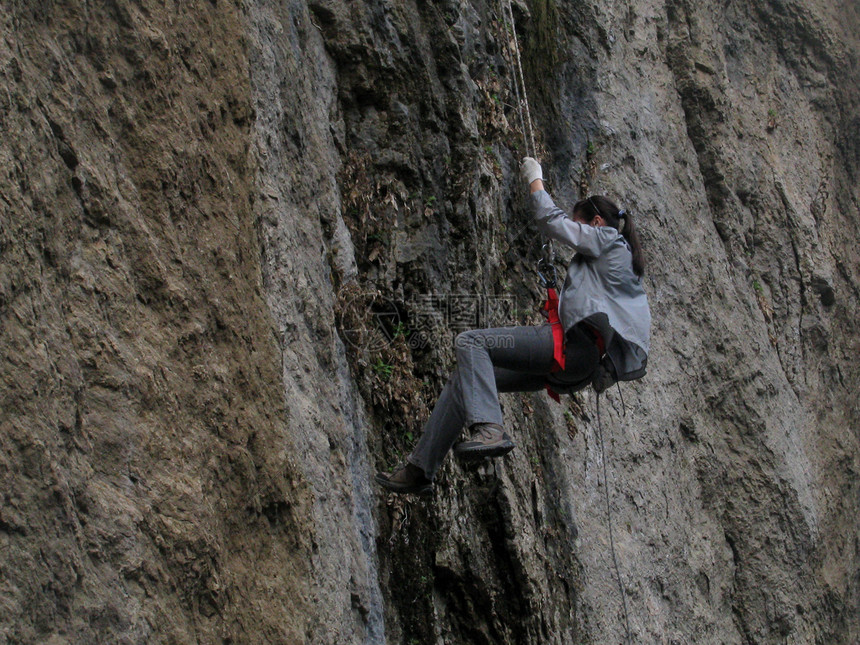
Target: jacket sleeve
555 224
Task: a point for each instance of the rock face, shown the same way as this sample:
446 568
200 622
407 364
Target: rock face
237 241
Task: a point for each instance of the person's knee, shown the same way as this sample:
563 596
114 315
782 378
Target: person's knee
466 339
465 343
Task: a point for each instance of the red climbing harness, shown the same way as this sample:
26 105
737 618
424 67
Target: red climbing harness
549 280
551 309
558 338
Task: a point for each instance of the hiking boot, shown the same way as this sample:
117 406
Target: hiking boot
408 478
488 440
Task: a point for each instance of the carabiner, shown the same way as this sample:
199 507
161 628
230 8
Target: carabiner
543 269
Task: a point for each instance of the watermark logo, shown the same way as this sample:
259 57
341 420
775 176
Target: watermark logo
372 321
484 340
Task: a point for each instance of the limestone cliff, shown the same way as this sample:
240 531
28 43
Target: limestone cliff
237 240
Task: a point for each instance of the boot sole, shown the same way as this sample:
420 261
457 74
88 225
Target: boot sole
479 452
404 489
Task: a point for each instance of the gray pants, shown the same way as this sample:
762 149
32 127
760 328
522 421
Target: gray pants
489 361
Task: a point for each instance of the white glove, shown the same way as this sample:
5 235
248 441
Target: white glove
530 170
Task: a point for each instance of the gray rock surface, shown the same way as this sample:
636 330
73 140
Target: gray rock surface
237 240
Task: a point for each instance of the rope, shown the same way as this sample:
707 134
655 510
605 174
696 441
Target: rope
522 99
528 134
529 141
516 84
623 407
609 524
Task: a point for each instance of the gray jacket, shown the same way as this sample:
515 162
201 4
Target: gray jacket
600 286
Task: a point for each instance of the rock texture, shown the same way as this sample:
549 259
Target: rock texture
237 241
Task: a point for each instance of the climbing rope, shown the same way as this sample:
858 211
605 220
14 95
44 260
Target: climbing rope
546 268
524 113
609 523
516 84
519 81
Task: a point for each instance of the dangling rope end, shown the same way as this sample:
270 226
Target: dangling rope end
609 523
623 407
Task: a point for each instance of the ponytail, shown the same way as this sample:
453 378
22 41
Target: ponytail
629 232
621 220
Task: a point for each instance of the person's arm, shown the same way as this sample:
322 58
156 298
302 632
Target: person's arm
556 225
554 222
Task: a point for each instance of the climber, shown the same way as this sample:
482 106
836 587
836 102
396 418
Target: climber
603 310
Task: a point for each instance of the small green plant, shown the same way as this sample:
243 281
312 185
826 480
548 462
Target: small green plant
430 201
771 119
757 286
400 329
382 368
589 149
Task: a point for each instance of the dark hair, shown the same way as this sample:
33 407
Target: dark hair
591 207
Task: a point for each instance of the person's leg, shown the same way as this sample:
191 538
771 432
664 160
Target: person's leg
581 357
525 348
442 428
520 359
485 354
514 381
